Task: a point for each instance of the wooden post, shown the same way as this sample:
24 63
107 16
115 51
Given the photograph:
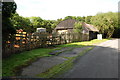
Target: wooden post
13 43
30 36
20 44
60 39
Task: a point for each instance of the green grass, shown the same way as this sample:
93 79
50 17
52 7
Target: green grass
22 59
82 44
17 61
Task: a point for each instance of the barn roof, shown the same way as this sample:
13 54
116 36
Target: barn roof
66 24
69 24
90 27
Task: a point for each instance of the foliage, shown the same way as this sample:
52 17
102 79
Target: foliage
49 25
78 18
81 19
38 22
107 23
69 17
59 20
20 22
87 19
78 27
8 8
30 24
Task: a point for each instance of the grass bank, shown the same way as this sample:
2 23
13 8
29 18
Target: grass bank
14 62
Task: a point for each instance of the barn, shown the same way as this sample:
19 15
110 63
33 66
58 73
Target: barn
91 30
68 26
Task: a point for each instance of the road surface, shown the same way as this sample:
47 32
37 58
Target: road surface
101 62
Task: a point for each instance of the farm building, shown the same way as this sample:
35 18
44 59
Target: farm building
68 26
65 26
41 30
91 30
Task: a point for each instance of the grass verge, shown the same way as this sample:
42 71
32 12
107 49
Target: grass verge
84 43
9 65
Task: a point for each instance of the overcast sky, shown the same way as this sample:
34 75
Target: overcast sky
55 9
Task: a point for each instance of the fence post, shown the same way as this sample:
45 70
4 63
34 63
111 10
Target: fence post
30 41
26 43
20 44
13 43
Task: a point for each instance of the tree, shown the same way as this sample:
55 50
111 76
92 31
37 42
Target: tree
79 18
36 21
87 19
78 27
58 21
107 23
20 22
49 25
70 17
8 9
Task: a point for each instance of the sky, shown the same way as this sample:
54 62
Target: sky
56 9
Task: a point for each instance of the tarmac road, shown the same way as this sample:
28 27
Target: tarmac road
101 62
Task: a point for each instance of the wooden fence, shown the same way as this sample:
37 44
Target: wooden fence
27 41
